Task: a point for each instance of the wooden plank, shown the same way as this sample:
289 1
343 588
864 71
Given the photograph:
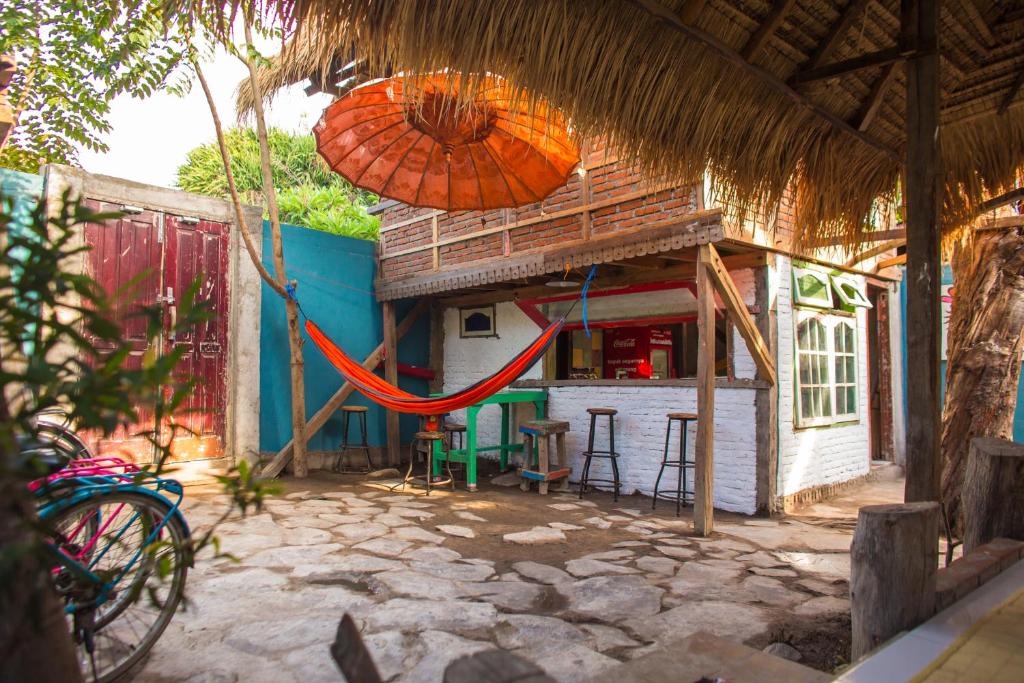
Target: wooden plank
894 261
729 55
875 251
1011 93
873 104
764 32
837 33
766 403
924 277
391 377
319 419
712 263
435 249
704 447
846 67
410 221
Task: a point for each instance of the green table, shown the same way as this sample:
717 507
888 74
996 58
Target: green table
467 455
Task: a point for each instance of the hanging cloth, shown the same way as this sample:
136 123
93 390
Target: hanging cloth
381 392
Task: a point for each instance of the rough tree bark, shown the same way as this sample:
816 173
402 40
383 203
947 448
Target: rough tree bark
985 339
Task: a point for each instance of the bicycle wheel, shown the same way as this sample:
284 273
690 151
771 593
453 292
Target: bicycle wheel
65 441
114 635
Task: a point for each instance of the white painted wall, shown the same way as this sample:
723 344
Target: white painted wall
817 455
641 422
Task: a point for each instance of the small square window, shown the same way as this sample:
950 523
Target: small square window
850 292
477 322
811 288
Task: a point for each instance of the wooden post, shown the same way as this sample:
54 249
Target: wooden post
894 558
923 205
704 470
391 377
766 403
993 498
437 346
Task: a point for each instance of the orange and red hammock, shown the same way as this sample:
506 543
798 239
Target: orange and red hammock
381 392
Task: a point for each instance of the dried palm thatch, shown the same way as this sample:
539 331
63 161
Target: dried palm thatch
676 101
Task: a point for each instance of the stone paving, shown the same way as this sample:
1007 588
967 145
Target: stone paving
432 579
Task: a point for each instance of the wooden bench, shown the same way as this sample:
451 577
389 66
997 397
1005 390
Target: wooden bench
540 466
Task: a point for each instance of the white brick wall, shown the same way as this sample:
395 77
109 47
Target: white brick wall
641 422
817 455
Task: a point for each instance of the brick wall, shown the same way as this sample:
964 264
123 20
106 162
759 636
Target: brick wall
817 455
606 183
640 424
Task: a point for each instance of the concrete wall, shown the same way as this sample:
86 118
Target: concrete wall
816 456
242 424
641 422
335 288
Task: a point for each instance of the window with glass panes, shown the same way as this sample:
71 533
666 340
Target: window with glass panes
814 404
844 353
826 379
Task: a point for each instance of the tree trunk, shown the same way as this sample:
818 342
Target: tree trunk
300 465
985 339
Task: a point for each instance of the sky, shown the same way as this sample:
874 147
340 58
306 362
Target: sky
150 137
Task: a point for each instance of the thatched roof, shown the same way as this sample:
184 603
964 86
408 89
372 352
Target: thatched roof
736 86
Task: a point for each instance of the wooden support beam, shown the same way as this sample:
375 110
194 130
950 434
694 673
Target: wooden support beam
1007 100
837 33
764 32
875 251
704 447
437 347
872 60
919 19
394 436
766 402
873 104
319 419
894 261
729 55
712 264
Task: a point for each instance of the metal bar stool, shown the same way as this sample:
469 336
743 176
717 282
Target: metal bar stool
681 495
428 479
451 430
609 454
346 447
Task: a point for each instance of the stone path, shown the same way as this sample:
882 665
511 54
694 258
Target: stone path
432 579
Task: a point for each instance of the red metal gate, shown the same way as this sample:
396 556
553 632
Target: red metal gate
171 251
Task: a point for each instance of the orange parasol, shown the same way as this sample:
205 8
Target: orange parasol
411 140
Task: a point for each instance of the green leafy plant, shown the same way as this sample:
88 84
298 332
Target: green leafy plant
309 193
74 58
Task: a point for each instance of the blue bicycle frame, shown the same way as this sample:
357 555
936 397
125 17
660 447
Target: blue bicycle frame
88 487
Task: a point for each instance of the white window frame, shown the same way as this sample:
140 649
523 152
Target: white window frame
825 301
831 322
858 300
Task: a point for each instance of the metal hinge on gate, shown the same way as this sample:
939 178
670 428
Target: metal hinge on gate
189 220
131 209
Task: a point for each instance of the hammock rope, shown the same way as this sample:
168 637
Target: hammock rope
375 388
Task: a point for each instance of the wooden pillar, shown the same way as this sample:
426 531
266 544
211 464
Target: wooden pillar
893 562
391 377
923 207
704 470
766 404
437 347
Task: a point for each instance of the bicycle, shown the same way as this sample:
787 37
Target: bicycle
114 533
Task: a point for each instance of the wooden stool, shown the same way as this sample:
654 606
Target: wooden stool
364 446
451 430
610 455
427 480
538 434
681 494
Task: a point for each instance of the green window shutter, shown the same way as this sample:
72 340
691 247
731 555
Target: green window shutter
850 292
811 288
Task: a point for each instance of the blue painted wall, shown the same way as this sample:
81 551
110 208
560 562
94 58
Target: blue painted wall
335 288
25 189
947 279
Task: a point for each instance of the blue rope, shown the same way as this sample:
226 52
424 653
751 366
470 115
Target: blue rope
583 295
289 288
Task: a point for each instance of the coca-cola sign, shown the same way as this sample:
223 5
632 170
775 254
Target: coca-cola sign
627 343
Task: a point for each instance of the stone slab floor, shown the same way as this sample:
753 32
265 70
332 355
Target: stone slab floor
576 586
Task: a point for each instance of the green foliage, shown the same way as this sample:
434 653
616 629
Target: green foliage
308 192
74 57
